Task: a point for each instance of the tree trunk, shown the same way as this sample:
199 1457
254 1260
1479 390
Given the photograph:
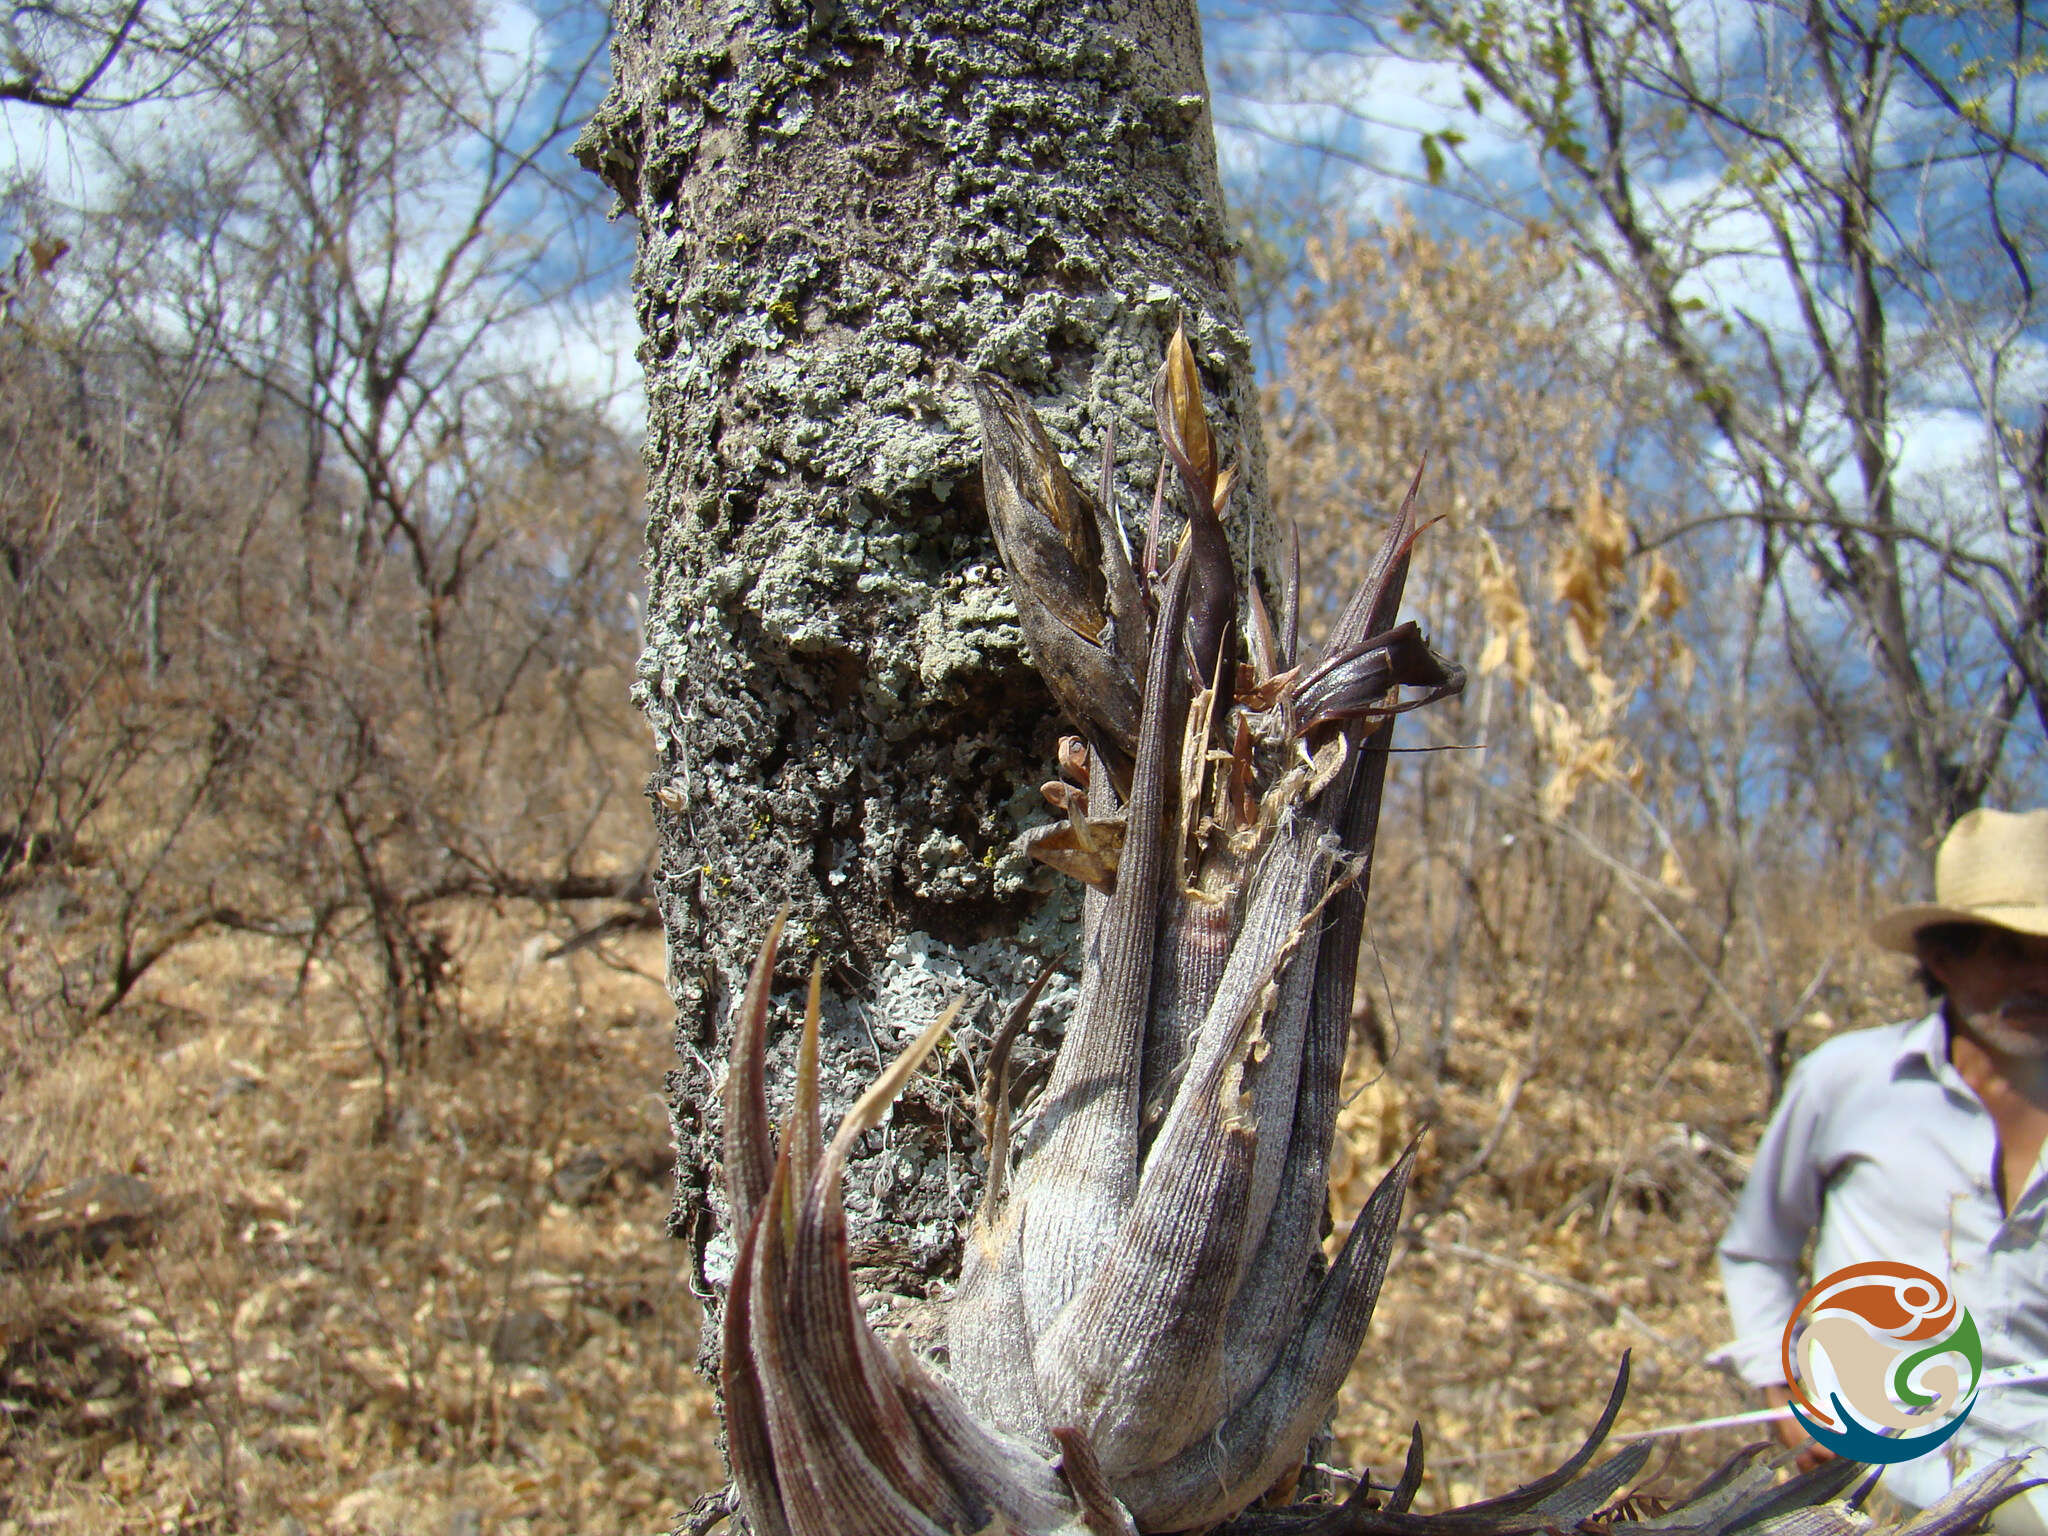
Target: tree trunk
845 209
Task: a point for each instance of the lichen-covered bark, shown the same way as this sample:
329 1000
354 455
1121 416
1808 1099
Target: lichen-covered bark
843 209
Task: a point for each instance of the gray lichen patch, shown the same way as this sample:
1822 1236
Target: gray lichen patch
973 619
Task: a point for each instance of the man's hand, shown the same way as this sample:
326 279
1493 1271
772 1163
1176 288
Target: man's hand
1793 1433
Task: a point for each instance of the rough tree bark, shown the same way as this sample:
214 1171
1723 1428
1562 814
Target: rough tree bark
843 209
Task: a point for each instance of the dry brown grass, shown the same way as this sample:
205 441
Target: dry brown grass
436 1302
1601 1149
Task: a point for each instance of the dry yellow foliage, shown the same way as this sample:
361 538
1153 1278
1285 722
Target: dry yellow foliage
1510 641
1476 354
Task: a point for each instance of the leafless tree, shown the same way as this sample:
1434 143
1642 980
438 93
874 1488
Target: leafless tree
1828 219
101 55
321 573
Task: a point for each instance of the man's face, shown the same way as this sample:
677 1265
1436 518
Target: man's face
1998 988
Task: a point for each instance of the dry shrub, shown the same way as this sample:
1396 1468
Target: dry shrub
319 610
1582 1157
326 1197
238 723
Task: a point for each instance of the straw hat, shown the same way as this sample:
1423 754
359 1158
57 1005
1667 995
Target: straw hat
1991 868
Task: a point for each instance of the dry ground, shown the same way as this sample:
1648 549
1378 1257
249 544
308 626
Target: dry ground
254 1284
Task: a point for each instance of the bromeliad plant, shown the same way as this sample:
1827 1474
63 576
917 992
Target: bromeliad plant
1145 1336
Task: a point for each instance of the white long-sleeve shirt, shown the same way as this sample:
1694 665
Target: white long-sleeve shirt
1880 1150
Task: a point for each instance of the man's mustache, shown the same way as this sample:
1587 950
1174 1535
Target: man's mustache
2004 1027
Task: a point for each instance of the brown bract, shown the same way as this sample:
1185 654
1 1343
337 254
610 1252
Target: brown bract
1076 594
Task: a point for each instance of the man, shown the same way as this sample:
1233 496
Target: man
1922 1143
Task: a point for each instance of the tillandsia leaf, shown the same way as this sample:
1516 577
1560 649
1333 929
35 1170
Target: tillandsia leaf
1083 846
1265 644
1358 680
995 1114
1965 1507
1144 1337
1127 610
1290 597
1083 1168
1373 607
749 1152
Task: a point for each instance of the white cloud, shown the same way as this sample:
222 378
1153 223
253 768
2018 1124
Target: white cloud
1941 447
513 44
586 347
1289 97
